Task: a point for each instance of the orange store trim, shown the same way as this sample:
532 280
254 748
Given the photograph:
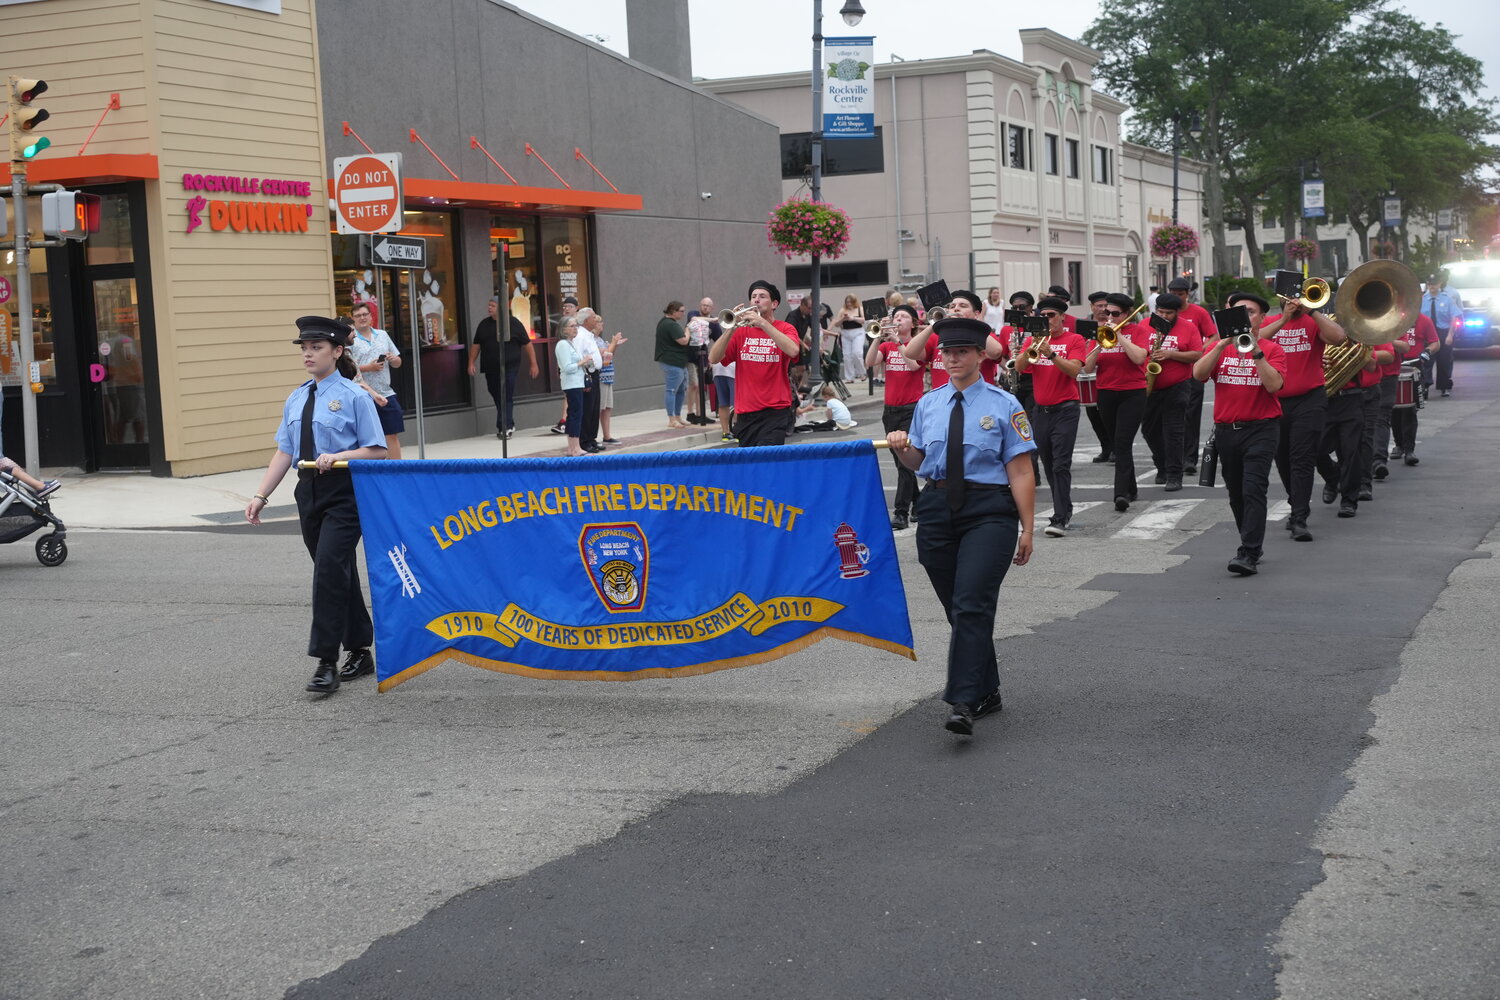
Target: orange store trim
95 169
420 192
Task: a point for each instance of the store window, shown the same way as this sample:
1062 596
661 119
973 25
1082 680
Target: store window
112 243
1052 158
10 314
539 262
414 306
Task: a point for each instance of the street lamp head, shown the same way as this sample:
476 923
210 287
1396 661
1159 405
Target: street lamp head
852 12
1195 127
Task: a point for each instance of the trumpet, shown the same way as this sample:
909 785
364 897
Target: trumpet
1315 294
1034 352
1245 343
934 314
729 318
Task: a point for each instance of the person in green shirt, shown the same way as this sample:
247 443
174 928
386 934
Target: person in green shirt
672 355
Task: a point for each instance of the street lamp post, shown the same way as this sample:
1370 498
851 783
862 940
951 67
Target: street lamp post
852 13
1195 129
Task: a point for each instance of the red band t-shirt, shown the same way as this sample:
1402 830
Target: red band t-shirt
935 362
1048 383
1184 337
1201 318
1298 339
1416 338
1239 394
761 374
903 376
1363 378
1115 370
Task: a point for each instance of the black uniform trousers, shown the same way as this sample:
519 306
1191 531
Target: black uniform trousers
330 530
1443 362
898 418
1163 423
1302 420
1380 433
1342 435
1369 417
589 436
966 554
1404 429
1055 431
1192 422
1121 411
763 427
1246 451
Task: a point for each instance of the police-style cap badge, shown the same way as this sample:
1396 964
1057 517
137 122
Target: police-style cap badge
321 328
961 332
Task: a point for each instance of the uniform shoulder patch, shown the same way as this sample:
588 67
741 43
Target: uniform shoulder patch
1021 424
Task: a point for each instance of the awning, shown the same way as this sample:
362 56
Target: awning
455 194
101 168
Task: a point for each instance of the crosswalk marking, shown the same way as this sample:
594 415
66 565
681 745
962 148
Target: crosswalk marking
1278 510
1078 508
1158 519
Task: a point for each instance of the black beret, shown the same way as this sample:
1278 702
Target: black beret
1030 299
1053 302
915 319
321 328
961 332
1182 283
1168 301
1098 296
1239 297
1060 292
969 297
1122 300
771 290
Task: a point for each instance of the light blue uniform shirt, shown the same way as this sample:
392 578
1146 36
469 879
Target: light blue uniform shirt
1442 308
995 431
344 418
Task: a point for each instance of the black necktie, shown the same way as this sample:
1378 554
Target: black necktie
956 453
308 449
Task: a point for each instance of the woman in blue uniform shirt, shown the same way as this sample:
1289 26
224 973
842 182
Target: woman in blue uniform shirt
326 420
974 515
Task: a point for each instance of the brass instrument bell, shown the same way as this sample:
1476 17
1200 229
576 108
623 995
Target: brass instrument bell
1377 302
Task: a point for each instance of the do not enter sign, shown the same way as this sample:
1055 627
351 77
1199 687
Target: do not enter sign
367 193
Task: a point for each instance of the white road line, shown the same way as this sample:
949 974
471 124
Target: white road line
1278 510
1158 519
1078 508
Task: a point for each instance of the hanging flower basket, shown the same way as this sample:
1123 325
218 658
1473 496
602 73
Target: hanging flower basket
1384 248
1302 251
1173 241
799 228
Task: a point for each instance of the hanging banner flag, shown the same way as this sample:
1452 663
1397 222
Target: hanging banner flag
1313 206
629 566
1391 214
849 88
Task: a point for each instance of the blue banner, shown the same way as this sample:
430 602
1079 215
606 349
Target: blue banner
849 88
628 566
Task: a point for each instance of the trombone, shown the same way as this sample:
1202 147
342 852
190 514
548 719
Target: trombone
1109 333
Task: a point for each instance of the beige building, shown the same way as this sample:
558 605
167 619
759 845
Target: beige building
987 171
532 166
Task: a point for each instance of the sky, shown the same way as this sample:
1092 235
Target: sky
782 40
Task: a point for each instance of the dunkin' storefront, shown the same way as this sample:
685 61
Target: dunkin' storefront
536 163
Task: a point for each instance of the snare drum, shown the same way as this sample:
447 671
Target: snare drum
1088 389
1406 390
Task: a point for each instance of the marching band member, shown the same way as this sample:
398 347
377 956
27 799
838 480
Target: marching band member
1370 381
1166 403
1121 378
923 346
762 349
970 442
1059 357
1246 410
1304 402
1010 342
1099 312
327 419
1193 417
903 388
1419 341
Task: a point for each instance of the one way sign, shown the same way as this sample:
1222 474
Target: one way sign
393 251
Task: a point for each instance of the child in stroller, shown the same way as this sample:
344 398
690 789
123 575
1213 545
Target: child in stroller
24 508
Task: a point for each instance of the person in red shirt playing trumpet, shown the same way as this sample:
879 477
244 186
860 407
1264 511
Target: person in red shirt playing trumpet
903 387
1247 418
1059 357
1167 401
1121 378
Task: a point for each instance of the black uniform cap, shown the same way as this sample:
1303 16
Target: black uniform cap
321 328
961 332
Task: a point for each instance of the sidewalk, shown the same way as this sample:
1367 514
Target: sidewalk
135 500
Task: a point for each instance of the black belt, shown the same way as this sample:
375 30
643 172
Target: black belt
1240 425
1054 407
970 484
1350 390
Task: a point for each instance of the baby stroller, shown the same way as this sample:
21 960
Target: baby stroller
22 512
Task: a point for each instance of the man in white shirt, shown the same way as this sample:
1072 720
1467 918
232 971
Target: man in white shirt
374 354
591 354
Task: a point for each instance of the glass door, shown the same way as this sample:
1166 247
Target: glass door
117 379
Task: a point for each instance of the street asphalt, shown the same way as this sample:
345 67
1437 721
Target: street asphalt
1201 786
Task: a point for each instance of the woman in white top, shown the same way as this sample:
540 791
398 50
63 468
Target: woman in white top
850 323
570 367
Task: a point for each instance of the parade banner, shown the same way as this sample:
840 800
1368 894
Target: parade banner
849 88
628 566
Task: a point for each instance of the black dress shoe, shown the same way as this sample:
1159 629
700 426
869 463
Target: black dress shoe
325 679
1243 566
1411 460
1381 472
988 705
1366 494
1330 493
899 521
1397 453
1348 509
1161 477
358 663
592 449
1189 470
1173 485
960 720
1100 459
1122 503
1299 531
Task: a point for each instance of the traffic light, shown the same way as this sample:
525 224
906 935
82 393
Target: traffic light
24 118
72 215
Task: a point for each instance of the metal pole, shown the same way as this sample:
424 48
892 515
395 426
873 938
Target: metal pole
23 304
1176 161
502 334
815 329
416 359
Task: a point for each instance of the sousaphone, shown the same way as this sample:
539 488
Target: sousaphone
1377 302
